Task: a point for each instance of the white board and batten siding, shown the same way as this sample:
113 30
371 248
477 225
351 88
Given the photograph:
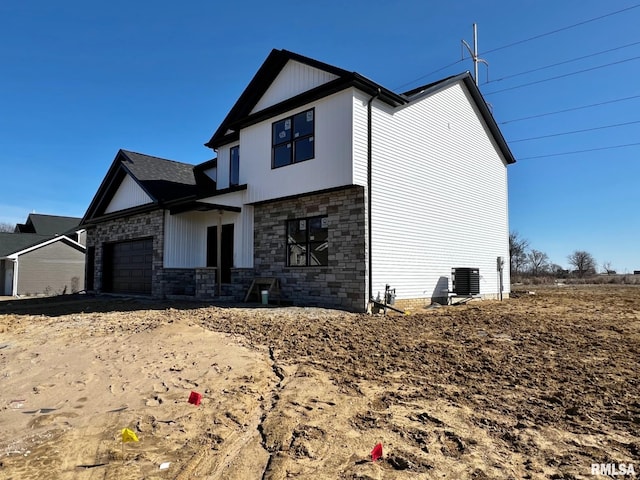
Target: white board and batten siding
439 194
185 234
331 166
295 78
128 195
185 240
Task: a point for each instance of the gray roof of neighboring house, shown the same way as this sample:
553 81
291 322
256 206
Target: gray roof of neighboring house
15 242
48 224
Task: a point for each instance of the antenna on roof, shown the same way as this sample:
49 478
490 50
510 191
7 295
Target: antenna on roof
474 54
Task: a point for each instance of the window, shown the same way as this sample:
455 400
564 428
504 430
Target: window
292 140
307 242
234 166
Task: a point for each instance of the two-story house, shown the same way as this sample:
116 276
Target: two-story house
323 179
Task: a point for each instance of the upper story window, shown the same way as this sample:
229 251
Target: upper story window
292 139
234 166
308 242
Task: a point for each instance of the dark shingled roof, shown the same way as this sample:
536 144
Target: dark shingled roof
15 242
48 224
162 179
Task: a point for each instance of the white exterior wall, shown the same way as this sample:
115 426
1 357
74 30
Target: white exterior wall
360 101
330 167
439 194
293 79
224 166
212 173
185 241
129 194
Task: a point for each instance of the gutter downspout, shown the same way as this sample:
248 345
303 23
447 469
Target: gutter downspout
369 203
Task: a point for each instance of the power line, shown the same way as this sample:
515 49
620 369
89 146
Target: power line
429 74
564 62
520 42
575 131
563 76
581 151
569 109
560 29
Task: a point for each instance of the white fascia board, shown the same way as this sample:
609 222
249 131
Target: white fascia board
15 255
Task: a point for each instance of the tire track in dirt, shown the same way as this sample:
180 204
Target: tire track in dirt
273 402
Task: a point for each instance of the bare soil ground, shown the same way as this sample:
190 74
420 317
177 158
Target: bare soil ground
538 386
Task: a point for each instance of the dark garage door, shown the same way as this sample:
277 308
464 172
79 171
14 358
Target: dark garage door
128 266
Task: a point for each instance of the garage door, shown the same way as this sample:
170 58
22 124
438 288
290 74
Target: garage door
128 266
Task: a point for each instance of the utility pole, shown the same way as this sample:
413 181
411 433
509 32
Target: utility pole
474 53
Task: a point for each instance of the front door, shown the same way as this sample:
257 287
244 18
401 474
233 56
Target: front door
227 250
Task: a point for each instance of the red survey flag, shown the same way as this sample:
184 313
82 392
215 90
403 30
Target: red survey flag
195 398
376 453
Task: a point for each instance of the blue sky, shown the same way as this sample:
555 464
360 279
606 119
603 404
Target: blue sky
82 79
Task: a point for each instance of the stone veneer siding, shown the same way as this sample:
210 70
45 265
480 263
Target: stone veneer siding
138 226
179 281
241 279
195 282
341 284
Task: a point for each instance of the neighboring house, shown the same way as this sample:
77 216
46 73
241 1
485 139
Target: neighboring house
43 256
325 180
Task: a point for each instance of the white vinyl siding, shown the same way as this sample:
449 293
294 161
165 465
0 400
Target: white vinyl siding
185 240
224 163
360 101
439 195
330 167
295 78
54 268
128 195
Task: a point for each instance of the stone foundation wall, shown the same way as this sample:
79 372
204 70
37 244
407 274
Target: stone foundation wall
206 283
241 279
417 304
179 281
341 284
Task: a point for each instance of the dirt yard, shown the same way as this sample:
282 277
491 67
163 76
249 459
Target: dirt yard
538 386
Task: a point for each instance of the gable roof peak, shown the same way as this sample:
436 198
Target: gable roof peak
241 112
163 180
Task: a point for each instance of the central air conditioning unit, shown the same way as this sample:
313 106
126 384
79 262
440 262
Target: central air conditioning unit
466 281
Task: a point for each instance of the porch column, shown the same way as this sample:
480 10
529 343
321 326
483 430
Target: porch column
219 253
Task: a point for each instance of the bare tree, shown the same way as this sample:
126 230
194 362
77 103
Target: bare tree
583 262
538 262
6 227
517 252
606 268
